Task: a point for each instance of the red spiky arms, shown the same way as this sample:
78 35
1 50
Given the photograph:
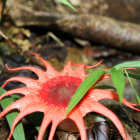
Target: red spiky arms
51 93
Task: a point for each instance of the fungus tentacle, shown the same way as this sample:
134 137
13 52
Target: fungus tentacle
55 119
106 76
55 123
22 114
93 66
28 109
80 72
50 69
46 121
78 119
101 109
16 105
37 71
100 94
23 91
29 82
67 69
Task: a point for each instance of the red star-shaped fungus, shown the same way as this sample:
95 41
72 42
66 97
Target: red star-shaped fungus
51 93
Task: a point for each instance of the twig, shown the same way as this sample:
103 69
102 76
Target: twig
50 34
10 42
19 50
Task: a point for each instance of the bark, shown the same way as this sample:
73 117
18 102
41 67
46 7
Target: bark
103 30
126 10
96 28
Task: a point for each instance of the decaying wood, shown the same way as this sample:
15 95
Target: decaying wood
103 30
96 28
126 10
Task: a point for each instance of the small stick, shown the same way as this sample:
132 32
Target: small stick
10 42
26 54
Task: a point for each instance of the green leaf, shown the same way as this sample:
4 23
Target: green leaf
128 64
67 3
104 87
131 84
84 87
117 77
19 131
137 77
16 97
